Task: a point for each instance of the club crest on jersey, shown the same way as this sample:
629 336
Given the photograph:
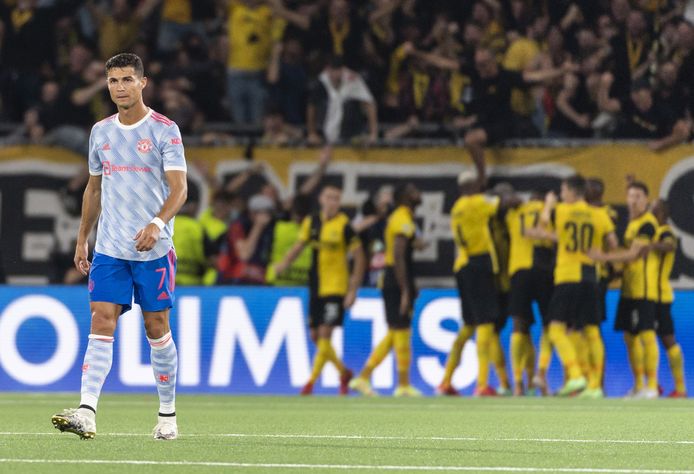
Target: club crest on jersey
145 145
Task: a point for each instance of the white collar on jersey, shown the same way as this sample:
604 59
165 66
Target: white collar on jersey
136 124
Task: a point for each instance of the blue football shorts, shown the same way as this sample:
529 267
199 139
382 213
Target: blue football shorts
114 280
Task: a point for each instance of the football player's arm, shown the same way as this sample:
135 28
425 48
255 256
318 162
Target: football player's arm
548 209
289 257
400 268
91 208
619 255
357 274
295 251
178 193
540 233
665 244
311 184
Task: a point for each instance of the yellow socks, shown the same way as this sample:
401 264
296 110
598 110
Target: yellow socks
651 356
529 358
596 352
379 353
518 349
545 356
403 354
674 356
484 335
331 355
456 352
320 359
581 348
567 353
635 352
499 360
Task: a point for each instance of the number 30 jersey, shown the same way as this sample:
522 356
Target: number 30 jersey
579 228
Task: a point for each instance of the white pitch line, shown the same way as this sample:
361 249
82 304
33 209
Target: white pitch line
343 467
384 438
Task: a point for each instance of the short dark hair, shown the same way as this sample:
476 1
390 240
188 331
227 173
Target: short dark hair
577 183
595 186
638 185
124 60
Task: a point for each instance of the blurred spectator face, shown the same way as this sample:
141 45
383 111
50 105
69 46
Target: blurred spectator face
24 5
472 34
329 200
620 10
586 39
481 14
335 75
273 123
31 118
260 208
539 27
667 74
79 58
384 200
518 9
636 23
293 51
637 201
271 192
606 27
49 92
485 63
120 10
94 72
685 35
555 40
339 10
642 98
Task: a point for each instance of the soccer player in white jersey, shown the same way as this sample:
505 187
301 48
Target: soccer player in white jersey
137 185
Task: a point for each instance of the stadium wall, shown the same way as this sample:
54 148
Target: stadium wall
34 226
236 340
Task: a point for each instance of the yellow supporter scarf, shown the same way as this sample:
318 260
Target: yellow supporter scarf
634 50
21 17
339 35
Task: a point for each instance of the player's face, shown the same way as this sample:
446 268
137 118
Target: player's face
125 86
637 201
330 201
567 194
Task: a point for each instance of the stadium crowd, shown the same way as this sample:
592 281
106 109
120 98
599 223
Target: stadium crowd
329 70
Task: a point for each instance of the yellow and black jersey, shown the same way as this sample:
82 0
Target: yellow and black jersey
579 228
604 268
502 247
331 240
659 266
635 277
470 218
526 253
400 222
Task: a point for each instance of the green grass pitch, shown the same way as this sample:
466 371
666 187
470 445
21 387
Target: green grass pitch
322 434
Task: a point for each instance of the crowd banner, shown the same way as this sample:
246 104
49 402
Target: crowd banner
244 340
36 230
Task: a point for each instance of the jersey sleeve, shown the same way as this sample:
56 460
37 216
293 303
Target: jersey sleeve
403 226
95 166
491 205
351 238
171 147
607 223
667 237
646 232
305 230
